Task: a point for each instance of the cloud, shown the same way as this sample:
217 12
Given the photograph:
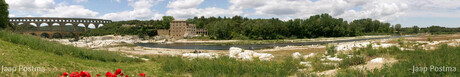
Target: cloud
11 15
77 11
78 1
207 12
142 14
48 8
183 9
184 4
31 5
380 10
141 10
116 0
279 7
349 9
245 4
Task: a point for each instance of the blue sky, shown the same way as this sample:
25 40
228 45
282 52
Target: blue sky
406 12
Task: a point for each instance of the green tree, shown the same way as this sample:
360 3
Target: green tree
166 20
415 29
398 27
4 14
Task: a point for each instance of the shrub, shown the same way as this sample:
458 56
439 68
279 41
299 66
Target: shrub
429 38
350 61
331 50
318 65
401 40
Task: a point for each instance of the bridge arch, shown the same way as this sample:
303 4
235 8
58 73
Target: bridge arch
33 34
45 35
56 35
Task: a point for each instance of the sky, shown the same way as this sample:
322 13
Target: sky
408 13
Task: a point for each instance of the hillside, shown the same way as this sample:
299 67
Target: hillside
15 55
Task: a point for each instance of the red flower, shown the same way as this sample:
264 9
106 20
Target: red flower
142 74
117 71
108 74
121 74
65 74
82 74
126 76
98 75
77 74
87 74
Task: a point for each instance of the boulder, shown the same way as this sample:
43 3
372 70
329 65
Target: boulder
296 55
239 53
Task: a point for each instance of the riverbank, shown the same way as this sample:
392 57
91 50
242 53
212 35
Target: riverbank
126 44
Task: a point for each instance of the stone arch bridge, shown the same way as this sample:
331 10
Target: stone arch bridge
26 21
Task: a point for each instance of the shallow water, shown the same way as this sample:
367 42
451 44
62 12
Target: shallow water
247 46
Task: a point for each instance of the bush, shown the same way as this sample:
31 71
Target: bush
331 50
318 65
38 43
350 61
401 40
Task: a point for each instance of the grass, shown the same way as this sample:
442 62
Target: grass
443 56
15 55
317 64
226 66
351 61
38 43
24 50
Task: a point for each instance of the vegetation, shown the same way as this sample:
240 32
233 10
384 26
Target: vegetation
350 61
243 28
4 14
38 43
238 27
434 30
25 49
443 56
322 25
319 65
142 28
226 66
331 50
15 55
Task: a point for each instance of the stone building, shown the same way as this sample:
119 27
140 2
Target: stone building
180 28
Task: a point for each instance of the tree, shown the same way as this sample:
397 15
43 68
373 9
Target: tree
166 20
415 29
4 14
398 27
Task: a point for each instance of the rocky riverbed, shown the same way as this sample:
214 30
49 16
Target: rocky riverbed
126 44
103 41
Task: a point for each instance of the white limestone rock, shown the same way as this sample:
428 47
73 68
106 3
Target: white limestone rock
296 55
